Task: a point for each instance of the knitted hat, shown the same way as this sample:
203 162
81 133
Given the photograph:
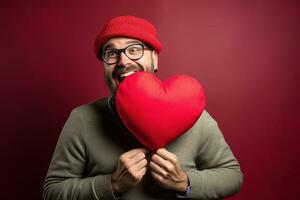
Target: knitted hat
131 27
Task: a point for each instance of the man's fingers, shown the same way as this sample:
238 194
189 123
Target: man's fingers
165 154
132 153
157 169
127 156
142 164
165 164
142 172
134 161
137 158
157 177
137 171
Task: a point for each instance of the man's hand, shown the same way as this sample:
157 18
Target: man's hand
167 172
130 171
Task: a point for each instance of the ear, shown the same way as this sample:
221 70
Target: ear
155 60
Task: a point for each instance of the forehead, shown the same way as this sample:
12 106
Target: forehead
120 42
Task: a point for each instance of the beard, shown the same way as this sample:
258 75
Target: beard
121 72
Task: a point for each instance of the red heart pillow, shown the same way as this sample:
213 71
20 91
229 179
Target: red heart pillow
157 112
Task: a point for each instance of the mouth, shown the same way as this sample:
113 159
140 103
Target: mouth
120 73
122 76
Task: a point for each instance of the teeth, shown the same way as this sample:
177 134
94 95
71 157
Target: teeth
126 74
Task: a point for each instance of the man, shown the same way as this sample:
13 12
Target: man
97 158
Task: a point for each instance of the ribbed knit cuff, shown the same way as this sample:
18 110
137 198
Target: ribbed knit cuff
196 182
102 187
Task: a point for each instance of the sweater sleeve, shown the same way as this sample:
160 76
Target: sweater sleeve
218 173
65 178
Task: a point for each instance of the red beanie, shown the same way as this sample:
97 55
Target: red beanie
128 26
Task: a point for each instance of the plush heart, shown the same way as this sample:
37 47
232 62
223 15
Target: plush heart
157 112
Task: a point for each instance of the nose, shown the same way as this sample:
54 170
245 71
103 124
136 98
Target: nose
124 61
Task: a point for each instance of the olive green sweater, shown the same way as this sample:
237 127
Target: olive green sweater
93 138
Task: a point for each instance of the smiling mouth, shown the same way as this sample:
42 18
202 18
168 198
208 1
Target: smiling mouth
120 73
122 76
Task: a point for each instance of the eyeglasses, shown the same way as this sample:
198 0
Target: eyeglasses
133 52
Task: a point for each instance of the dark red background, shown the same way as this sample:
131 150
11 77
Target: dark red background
245 53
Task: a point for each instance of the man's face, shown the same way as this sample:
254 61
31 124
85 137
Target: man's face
115 73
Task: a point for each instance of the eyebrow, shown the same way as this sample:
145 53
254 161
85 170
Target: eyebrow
111 45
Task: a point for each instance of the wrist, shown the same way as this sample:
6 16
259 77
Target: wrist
115 190
184 184
114 186
187 192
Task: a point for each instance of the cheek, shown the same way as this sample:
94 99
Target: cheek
147 63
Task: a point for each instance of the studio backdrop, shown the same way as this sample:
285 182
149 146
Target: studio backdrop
244 53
